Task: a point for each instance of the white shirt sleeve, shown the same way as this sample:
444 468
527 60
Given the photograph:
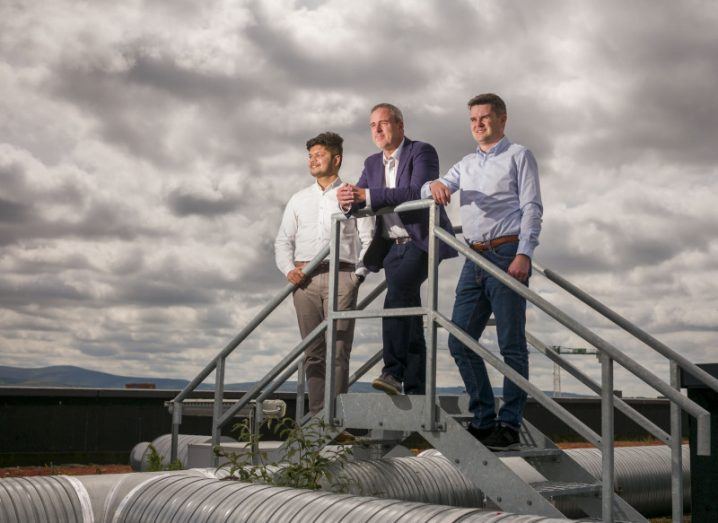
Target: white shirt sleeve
365 228
284 242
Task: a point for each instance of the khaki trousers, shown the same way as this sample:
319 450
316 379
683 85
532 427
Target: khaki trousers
310 302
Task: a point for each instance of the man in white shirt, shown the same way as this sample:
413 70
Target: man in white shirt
304 231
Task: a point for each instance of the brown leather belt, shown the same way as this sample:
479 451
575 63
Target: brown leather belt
324 266
401 241
492 244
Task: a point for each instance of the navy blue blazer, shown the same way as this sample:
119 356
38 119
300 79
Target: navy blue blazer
418 164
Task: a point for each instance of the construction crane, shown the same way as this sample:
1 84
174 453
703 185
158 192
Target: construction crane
558 349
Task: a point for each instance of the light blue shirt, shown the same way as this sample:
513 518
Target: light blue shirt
499 194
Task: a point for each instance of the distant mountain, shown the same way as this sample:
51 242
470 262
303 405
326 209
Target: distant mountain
70 376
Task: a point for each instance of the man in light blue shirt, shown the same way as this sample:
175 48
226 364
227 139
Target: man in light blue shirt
501 218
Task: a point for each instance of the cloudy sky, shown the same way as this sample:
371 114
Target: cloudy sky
147 150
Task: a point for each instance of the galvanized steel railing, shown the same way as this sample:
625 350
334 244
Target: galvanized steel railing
609 353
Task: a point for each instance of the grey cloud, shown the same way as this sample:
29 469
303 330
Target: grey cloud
98 222
586 87
75 262
182 204
143 293
46 290
13 212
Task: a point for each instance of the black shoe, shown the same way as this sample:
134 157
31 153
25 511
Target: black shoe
480 434
503 438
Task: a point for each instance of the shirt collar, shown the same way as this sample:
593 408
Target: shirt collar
498 147
396 154
336 183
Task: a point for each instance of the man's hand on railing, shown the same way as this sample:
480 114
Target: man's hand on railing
296 276
440 192
349 194
520 267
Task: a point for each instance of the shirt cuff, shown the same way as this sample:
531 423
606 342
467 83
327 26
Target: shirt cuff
526 248
362 271
367 196
425 190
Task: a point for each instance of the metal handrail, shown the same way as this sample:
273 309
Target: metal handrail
702 415
621 405
221 418
628 326
282 371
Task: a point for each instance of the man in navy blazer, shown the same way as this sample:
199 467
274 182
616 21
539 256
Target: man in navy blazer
401 241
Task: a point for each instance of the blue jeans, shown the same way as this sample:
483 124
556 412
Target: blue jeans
406 269
478 295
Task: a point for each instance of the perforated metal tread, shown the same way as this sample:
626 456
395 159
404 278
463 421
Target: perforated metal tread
530 453
556 489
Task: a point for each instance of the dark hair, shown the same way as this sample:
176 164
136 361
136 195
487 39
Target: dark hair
332 141
494 100
393 109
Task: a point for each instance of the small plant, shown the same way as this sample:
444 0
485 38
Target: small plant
156 463
305 463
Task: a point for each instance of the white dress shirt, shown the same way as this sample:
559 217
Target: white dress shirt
306 228
393 226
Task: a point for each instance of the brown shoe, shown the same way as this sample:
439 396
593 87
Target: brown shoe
387 383
345 438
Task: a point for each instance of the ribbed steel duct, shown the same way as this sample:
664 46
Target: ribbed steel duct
186 498
163 445
43 499
642 475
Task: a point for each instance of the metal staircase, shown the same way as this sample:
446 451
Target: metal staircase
441 420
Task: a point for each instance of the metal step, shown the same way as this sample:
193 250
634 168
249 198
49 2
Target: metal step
205 408
530 453
558 489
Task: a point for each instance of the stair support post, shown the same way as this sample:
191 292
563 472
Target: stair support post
218 403
331 334
430 422
607 437
676 451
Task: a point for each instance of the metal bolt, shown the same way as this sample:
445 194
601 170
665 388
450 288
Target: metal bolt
381 423
529 503
456 460
484 463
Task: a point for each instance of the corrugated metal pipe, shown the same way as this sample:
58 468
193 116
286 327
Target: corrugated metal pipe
642 476
178 497
139 456
190 496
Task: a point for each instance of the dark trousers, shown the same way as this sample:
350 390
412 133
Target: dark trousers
406 269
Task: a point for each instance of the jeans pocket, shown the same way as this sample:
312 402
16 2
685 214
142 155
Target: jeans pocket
503 255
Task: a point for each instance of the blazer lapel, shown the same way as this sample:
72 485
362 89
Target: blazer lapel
404 160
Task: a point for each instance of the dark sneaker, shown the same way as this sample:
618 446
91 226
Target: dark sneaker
387 383
503 438
480 434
